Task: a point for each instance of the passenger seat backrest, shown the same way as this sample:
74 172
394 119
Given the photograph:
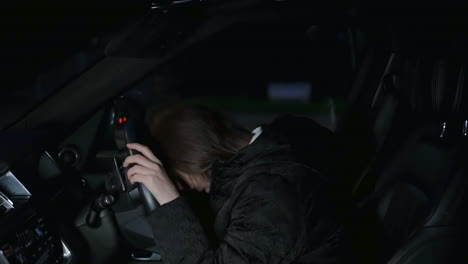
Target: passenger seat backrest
417 194
423 187
439 239
411 189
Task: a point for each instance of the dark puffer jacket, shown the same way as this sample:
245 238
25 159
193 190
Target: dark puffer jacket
272 203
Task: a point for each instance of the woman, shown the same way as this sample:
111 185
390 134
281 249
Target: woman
270 190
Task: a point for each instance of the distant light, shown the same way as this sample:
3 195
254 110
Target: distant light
125 119
120 120
295 91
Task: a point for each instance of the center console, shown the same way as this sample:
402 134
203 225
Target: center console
25 235
31 242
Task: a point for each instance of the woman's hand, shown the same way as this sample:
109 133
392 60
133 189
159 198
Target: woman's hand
149 171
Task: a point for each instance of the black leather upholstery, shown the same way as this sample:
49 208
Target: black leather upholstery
419 179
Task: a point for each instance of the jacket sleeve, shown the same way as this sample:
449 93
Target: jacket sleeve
261 228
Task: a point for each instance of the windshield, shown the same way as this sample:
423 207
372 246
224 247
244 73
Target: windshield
47 44
23 93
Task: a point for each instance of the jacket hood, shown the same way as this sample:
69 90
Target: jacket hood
302 139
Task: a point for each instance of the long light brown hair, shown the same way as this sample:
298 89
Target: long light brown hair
192 136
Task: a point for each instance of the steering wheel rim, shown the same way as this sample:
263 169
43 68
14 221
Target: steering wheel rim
129 129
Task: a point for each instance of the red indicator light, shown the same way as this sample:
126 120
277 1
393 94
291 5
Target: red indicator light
120 120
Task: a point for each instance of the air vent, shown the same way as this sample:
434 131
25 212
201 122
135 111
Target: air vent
13 188
5 204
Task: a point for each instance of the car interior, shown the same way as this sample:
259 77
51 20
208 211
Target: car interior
82 79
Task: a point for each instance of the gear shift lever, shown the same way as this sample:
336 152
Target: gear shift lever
101 203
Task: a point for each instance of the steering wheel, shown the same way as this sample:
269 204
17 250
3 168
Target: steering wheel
133 202
129 129
148 200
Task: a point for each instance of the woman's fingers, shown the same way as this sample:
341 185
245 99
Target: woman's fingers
138 169
141 178
149 171
145 151
140 160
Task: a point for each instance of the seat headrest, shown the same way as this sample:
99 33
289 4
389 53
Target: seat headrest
432 87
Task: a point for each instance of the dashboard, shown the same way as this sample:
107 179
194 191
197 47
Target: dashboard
26 237
49 186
